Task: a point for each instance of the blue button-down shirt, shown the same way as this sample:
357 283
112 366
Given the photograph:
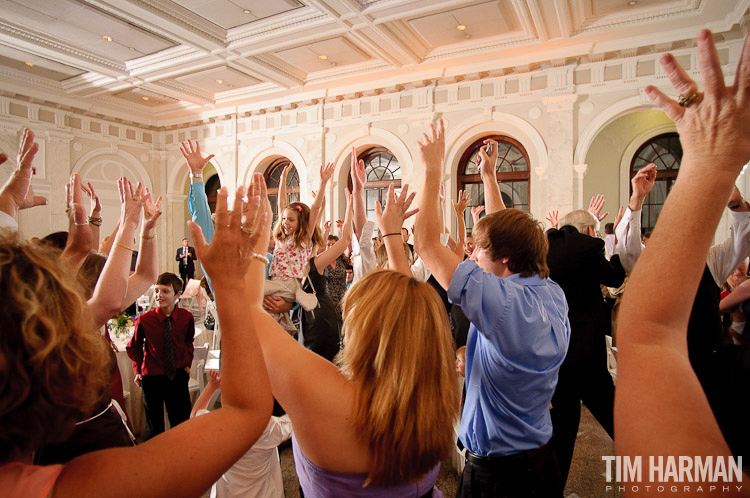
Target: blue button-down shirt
517 341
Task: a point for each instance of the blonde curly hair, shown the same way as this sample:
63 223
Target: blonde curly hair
53 363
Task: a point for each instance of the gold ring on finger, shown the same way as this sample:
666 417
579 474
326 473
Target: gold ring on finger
685 101
247 230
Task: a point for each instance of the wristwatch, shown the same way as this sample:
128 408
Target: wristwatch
196 175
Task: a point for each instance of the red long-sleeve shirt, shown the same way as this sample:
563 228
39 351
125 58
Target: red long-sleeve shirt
146 347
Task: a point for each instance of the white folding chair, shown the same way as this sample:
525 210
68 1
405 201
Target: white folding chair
197 380
192 289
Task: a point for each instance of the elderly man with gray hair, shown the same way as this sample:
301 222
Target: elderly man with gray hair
577 263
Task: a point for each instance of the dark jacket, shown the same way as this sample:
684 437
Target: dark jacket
578 265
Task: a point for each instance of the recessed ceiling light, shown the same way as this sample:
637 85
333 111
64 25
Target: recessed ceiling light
30 64
220 81
131 49
632 3
461 27
108 38
144 98
323 57
247 11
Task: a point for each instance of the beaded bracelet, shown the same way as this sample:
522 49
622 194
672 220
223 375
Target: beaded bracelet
259 257
148 237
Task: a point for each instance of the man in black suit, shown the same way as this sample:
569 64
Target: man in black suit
186 256
577 263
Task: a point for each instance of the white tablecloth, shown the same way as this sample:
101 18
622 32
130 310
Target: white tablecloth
133 395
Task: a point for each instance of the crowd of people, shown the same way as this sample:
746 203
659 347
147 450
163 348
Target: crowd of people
353 341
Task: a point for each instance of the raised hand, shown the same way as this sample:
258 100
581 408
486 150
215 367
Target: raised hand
357 172
464 197
487 162
552 218
227 258
644 180
391 218
713 125
475 212
326 172
95 204
131 201
214 380
17 192
596 205
285 173
151 211
642 183
191 151
432 149
80 236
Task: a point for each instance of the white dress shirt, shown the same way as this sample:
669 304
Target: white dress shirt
722 259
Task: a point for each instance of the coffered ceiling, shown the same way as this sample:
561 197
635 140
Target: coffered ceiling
164 59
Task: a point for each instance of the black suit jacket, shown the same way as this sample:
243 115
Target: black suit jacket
190 267
578 265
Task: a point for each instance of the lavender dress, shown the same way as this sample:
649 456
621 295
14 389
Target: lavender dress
322 483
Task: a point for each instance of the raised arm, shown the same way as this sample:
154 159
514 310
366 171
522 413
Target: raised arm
357 172
281 196
95 218
553 218
224 434
628 229
147 265
328 256
738 296
464 197
390 221
596 205
197 201
80 238
17 192
110 290
672 417
438 258
492 198
326 172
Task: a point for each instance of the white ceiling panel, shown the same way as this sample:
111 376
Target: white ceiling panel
607 7
479 21
218 79
144 97
337 52
37 66
232 13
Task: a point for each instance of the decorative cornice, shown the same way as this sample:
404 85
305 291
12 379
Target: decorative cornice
256 31
58 46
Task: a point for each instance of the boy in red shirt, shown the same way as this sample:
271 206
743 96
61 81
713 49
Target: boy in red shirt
162 352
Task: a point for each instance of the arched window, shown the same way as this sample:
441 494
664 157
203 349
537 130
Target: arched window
511 171
381 169
273 176
666 152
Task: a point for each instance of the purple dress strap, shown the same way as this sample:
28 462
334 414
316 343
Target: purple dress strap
322 483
